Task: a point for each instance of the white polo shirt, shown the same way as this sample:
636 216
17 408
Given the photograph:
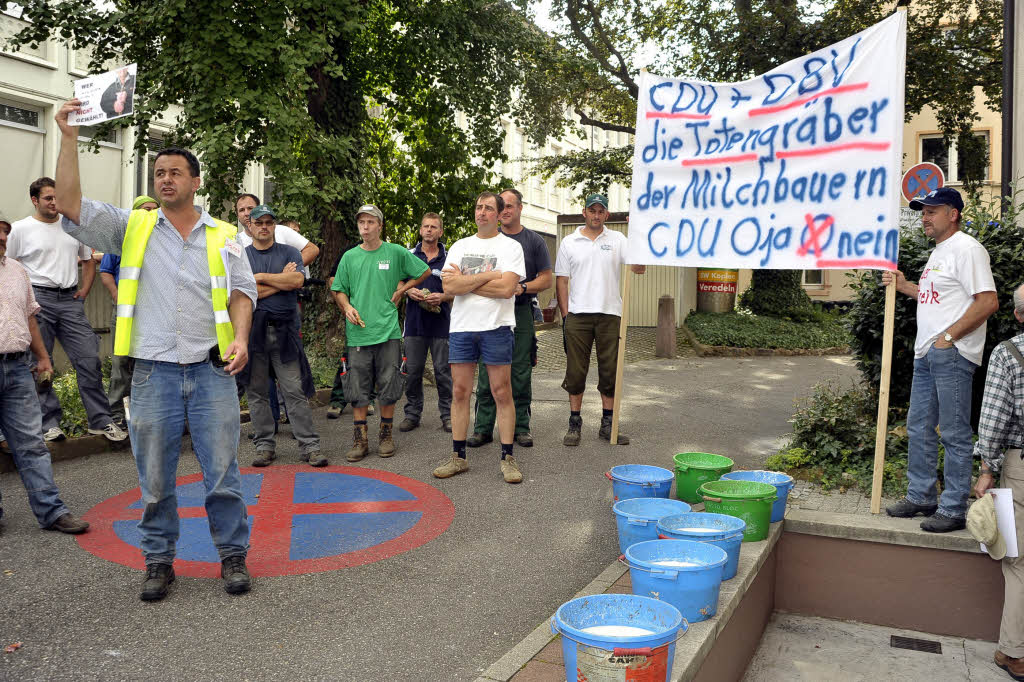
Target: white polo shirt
48 253
594 269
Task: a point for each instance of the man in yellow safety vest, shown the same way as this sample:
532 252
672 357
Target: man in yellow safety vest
184 308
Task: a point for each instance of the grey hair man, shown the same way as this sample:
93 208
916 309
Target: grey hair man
1000 439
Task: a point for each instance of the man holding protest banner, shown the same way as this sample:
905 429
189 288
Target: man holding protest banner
591 258
955 296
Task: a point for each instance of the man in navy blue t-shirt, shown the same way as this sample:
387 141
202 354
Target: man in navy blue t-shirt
426 329
275 342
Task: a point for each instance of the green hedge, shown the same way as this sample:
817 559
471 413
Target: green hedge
744 330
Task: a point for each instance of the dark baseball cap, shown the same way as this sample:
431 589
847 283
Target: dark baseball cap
261 211
597 199
943 196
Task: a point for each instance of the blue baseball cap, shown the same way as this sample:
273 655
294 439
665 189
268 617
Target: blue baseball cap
943 196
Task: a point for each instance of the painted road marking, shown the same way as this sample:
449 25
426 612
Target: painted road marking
301 521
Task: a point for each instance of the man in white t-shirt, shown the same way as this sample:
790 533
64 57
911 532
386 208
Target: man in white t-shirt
51 257
483 273
955 296
587 273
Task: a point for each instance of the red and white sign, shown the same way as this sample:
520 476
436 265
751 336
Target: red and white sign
921 179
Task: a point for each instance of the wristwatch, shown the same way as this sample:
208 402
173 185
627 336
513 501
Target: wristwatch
948 337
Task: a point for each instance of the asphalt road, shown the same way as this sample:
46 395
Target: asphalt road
442 611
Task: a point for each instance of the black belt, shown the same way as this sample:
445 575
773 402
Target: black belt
12 356
59 290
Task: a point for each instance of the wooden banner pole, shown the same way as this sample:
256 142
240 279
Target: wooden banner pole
620 361
882 428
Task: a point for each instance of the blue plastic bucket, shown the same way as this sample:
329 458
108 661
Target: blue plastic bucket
637 518
639 480
686 574
783 484
591 654
715 529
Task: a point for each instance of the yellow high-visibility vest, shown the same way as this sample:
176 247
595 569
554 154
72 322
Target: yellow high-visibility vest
133 249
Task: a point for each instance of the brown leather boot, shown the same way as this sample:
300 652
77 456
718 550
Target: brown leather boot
386 448
360 448
1013 666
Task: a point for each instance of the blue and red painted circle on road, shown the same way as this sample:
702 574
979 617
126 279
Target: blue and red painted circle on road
301 521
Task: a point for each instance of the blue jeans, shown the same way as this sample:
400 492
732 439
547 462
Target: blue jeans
21 424
941 396
163 395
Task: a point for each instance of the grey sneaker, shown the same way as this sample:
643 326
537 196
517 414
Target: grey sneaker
315 458
454 465
510 470
905 509
111 431
54 434
572 436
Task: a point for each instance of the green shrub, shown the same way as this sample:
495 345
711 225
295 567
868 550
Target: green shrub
777 293
74 421
743 330
833 441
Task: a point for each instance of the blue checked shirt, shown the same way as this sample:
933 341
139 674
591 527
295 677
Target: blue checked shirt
173 313
1002 408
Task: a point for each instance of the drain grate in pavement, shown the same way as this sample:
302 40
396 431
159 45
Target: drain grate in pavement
914 644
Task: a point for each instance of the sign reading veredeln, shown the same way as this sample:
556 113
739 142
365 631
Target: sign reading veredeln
798 168
105 96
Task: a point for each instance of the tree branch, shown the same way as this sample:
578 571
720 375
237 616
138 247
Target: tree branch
614 127
623 70
573 8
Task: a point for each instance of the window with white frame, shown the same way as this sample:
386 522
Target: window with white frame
112 137
144 171
22 116
814 278
949 158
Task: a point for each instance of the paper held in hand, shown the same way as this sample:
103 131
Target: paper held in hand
105 96
1004 519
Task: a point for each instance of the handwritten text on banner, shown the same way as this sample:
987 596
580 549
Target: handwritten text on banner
798 168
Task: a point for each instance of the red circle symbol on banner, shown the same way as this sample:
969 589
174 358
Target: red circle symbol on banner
302 520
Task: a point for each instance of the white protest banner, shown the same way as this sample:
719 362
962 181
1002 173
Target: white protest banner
798 168
105 96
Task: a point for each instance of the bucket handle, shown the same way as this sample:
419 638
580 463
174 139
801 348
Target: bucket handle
712 499
622 651
608 475
660 572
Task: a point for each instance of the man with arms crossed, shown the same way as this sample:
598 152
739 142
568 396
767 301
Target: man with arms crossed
955 296
369 285
538 278
189 336
587 272
483 273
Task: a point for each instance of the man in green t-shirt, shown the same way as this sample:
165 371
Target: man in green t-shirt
368 285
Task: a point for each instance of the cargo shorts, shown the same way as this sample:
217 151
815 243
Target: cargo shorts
378 365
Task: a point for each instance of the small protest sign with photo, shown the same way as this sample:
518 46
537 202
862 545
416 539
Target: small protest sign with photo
105 96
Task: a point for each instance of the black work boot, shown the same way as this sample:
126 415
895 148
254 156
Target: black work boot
475 440
905 509
572 436
236 576
606 432
940 523
154 585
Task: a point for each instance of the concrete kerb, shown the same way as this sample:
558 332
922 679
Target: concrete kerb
876 528
84 446
531 645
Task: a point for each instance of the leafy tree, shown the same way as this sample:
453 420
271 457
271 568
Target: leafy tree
292 85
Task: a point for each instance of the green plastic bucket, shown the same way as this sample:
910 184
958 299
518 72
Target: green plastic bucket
748 500
696 468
